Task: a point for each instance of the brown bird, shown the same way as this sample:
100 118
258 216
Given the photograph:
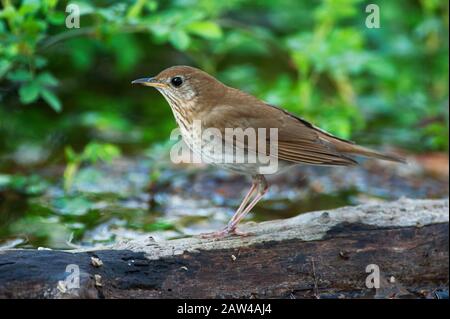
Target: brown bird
195 96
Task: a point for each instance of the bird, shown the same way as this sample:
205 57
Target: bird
195 96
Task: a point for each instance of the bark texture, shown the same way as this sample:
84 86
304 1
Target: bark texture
321 254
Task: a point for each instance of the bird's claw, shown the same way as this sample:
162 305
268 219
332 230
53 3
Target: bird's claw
226 232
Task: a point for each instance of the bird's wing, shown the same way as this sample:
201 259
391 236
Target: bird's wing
298 140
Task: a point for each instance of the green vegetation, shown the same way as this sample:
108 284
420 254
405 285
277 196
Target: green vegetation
92 153
66 100
386 85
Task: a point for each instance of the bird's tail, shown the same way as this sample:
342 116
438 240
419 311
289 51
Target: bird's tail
349 147
364 151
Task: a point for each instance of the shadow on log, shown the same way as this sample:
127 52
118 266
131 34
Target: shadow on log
315 255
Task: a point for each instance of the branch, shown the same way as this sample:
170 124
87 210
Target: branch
314 255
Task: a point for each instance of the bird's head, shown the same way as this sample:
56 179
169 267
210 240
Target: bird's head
182 85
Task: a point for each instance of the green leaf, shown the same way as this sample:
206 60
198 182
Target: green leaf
52 100
180 39
206 29
5 180
40 62
56 18
50 4
151 5
159 225
20 75
109 152
46 78
85 8
29 92
127 52
103 152
69 174
34 27
31 185
74 206
71 156
136 9
4 67
29 6
9 12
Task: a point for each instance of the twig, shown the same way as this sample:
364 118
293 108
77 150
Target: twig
316 290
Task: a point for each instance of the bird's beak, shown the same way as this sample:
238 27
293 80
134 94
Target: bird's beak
149 82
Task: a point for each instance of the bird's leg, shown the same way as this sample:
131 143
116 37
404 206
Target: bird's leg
262 189
260 185
246 199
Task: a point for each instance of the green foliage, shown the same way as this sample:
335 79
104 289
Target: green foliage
22 28
314 58
38 229
65 89
73 206
92 153
158 225
29 185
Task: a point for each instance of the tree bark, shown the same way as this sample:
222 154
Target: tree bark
315 255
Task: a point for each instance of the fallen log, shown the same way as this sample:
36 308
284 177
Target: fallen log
402 246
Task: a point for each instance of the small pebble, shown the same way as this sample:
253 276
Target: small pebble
96 262
344 255
61 286
98 280
233 257
325 217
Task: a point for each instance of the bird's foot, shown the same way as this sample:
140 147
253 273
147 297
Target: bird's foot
226 232
241 233
215 235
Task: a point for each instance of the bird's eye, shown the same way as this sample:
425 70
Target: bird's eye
176 81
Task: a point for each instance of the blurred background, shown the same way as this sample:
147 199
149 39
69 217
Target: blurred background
84 155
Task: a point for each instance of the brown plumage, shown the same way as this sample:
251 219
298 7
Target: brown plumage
195 95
